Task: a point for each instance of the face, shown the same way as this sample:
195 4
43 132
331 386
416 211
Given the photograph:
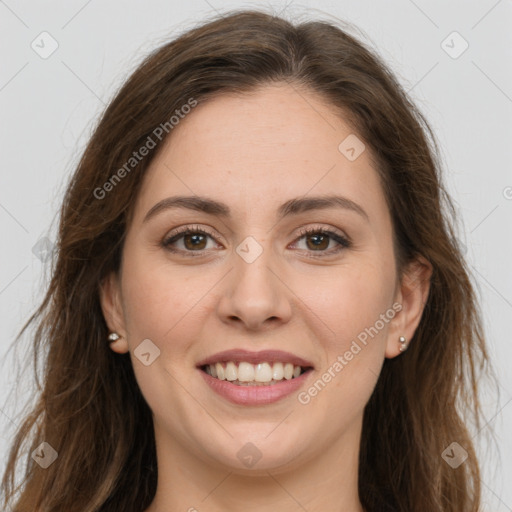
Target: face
247 270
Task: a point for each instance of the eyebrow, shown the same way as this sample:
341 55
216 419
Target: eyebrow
291 207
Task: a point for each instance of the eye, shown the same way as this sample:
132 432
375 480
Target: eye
193 241
321 240
189 239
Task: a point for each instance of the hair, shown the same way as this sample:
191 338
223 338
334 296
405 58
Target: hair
90 408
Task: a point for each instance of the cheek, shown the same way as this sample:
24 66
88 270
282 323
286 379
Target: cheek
159 299
350 300
350 305
162 304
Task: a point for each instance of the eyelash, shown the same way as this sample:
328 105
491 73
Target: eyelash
343 242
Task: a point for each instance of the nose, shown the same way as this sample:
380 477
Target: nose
254 296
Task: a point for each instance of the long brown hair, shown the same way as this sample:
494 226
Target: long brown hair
90 409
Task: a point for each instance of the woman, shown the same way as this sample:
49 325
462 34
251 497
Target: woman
258 302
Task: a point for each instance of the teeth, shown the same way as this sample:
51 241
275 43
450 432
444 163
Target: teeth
247 374
231 373
263 372
288 371
219 370
278 371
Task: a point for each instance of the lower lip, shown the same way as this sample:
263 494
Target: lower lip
255 395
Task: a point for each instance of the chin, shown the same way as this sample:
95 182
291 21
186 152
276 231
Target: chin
251 453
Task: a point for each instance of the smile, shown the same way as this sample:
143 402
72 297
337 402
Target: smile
254 378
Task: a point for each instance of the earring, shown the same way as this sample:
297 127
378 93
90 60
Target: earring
403 342
113 336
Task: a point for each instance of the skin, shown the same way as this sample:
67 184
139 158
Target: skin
254 152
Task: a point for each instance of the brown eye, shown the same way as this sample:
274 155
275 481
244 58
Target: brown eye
321 241
195 241
191 241
317 241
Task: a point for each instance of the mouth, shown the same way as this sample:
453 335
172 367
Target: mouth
254 378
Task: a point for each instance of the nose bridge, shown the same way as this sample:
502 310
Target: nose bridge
254 294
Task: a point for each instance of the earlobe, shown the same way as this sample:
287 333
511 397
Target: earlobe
412 295
118 343
110 299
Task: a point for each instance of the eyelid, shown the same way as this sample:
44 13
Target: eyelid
188 228
312 229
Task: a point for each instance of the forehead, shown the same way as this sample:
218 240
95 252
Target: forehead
258 149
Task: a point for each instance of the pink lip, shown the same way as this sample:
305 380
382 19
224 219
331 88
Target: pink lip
264 356
255 395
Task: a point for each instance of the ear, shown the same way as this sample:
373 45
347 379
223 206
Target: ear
412 293
110 299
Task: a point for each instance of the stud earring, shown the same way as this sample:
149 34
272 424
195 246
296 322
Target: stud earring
113 336
403 343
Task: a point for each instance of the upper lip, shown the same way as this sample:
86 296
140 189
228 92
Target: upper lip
263 356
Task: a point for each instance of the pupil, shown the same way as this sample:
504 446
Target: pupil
194 241
319 241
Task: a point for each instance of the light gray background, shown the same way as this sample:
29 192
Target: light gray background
49 106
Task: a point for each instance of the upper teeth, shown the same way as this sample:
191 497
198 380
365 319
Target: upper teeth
247 372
